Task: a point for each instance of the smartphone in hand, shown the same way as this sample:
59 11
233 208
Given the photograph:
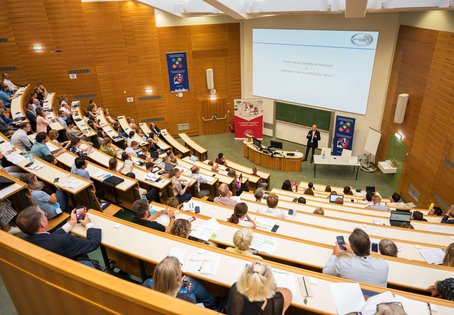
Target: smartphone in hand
81 212
341 242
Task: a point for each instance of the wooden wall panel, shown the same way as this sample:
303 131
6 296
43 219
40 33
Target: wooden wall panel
124 53
424 68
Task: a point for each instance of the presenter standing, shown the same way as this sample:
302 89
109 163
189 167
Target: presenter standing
313 137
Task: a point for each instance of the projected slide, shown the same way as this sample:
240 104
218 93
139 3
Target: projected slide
329 69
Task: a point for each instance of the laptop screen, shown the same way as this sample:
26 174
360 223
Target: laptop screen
332 198
370 189
403 216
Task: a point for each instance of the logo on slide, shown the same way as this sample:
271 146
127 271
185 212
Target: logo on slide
362 39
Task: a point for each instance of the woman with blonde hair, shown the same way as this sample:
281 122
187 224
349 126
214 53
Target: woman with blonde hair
240 216
181 228
168 278
448 260
242 239
256 293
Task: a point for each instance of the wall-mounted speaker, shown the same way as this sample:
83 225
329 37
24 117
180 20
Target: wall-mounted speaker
210 79
401 107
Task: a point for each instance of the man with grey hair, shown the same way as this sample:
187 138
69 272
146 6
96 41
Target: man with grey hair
388 248
258 194
225 196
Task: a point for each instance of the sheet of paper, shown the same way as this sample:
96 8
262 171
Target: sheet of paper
433 255
179 253
264 223
263 244
286 280
190 205
204 230
413 307
72 184
15 158
439 229
205 263
348 297
371 304
381 221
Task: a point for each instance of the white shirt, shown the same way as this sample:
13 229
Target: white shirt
131 151
272 212
11 86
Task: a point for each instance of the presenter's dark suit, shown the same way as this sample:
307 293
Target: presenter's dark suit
66 244
313 137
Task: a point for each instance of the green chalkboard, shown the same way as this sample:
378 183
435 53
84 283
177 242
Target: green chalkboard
304 116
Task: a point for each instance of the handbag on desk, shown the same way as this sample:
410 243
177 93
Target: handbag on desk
113 180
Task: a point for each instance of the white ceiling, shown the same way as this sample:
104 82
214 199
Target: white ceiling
246 9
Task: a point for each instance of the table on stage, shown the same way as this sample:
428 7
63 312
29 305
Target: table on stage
278 160
337 161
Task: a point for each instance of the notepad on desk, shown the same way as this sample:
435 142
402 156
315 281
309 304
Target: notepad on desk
433 255
204 263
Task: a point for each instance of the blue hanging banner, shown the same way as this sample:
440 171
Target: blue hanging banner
178 72
343 134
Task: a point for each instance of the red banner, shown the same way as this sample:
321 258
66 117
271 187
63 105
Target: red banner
248 119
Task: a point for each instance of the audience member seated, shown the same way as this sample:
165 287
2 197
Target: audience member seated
142 192
271 210
437 211
443 289
168 278
418 216
132 148
142 216
355 263
72 131
109 118
128 164
31 116
242 240
199 179
236 182
5 97
42 123
181 228
301 200
389 308
76 148
328 188
80 167
53 204
214 168
33 221
339 201
130 138
64 106
53 136
19 137
260 183
225 196
6 81
61 117
368 199
178 190
220 159
155 129
319 211
310 185
395 197
348 190
448 260
7 167
4 128
258 194
107 147
449 216
40 148
256 293
387 248
241 217
7 214
309 191
376 204
287 185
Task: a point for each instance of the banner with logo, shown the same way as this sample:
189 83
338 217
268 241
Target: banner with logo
248 118
178 72
343 134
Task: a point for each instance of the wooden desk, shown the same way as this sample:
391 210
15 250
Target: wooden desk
324 235
195 148
282 162
18 193
174 143
312 254
18 103
362 216
127 129
64 284
114 236
337 161
48 106
107 127
79 119
146 130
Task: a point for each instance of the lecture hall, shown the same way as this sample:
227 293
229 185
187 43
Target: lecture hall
235 157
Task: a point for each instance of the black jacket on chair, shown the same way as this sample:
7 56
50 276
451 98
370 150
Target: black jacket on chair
66 244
